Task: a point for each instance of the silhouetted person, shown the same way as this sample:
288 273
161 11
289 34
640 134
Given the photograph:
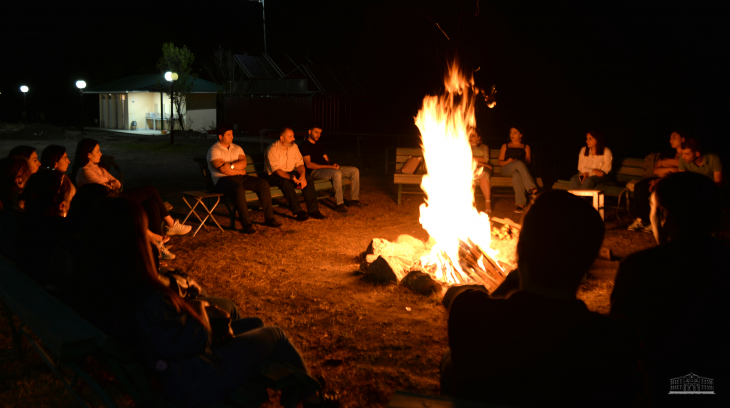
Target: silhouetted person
676 294
541 346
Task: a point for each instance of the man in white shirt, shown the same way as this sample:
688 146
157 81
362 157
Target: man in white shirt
227 165
282 159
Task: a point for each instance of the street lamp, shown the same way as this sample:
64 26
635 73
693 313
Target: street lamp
81 85
171 77
263 19
24 90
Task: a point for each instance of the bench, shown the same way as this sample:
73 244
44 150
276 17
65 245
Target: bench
628 173
67 340
396 157
402 399
255 167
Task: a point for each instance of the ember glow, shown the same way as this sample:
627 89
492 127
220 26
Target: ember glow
462 235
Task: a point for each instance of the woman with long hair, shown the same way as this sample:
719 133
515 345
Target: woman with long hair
117 288
28 154
87 169
514 157
594 163
55 157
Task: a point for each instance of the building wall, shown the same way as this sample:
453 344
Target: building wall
200 119
142 103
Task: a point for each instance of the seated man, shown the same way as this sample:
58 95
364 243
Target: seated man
541 346
227 165
694 159
282 158
675 294
320 168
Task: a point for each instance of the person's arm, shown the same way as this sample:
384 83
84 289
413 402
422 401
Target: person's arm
334 165
103 177
275 163
502 153
314 166
718 177
582 165
528 155
302 180
717 170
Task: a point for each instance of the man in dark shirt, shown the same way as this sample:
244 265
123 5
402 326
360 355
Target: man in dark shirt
675 294
320 168
541 346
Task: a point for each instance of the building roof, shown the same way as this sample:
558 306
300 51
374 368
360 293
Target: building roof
148 83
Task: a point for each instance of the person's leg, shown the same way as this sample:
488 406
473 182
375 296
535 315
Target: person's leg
510 170
575 182
486 187
352 173
447 374
223 304
640 204
333 175
232 186
263 191
150 193
310 195
527 179
287 188
154 218
591 182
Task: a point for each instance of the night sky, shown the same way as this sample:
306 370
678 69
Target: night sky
633 70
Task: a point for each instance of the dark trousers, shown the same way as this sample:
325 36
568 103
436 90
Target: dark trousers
640 206
151 201
288 187
235 187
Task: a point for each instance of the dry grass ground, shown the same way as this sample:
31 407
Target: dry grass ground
303 278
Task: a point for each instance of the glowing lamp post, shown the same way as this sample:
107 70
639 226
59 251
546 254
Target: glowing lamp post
171 77
81 85
24 90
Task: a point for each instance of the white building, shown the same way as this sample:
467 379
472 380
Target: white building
134 103
691 384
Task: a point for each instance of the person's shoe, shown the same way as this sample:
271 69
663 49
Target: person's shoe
519 209
357 203
318 215
272 222
487 206
248 229
636 225
341 208
164 253
178 229
302 216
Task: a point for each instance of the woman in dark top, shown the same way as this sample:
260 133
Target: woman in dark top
514 158
117 288
55 157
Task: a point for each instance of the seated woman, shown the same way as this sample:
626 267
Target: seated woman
666 163
514 158
14 173
594 162
87 170
170 335
28 154
480 155
54 157
47 197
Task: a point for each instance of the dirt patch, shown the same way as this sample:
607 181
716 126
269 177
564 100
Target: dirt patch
367 340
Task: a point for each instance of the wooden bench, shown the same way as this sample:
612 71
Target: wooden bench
67 340
254 168
628 173
396 157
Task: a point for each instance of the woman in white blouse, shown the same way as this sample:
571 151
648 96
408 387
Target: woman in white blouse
594 163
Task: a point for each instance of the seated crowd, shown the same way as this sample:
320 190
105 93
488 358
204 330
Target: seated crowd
530 343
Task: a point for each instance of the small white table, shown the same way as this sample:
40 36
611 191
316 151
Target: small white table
597 198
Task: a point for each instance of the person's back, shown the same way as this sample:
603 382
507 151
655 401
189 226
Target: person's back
541 346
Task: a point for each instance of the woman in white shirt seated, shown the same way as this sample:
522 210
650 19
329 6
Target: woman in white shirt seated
594 163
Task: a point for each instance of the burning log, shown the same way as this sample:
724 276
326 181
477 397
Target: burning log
387 270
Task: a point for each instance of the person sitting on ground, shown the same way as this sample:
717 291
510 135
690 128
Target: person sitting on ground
524 349
55 157
320 168
665 163
14 174
594 163
480 156
695 160
43 225
514 157
170 335
675 294
282 158
87 170
28 154
227 166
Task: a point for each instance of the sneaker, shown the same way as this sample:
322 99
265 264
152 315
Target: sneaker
302 216
341 208
271 222
357 203
248 229
164 253
318 215
519 209
178 229
636 225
